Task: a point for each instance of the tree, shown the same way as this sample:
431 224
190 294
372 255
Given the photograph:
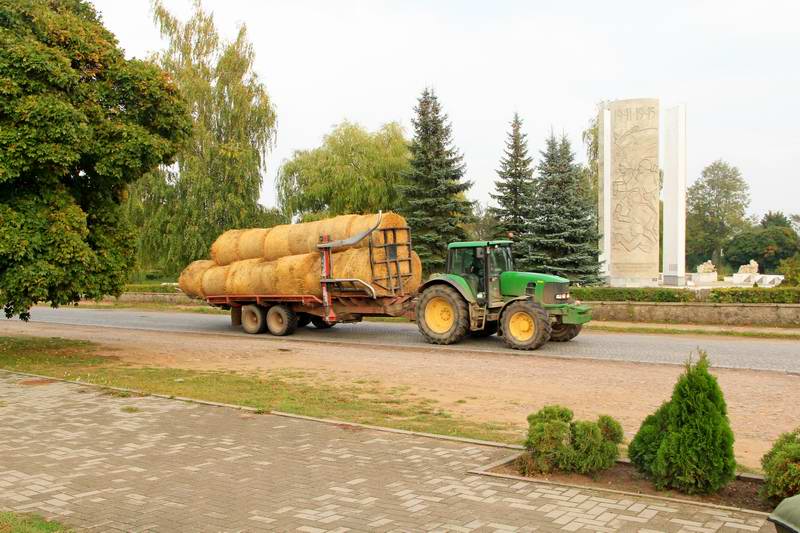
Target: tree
766 245
484 224
78 124
436 208
591 175
562 236
514 186
715 205
216 183
353 171
775 218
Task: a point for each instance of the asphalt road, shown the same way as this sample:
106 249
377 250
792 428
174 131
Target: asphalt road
730 352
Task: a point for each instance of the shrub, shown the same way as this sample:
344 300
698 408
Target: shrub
627 294
790 269
775 295
556 442
782 467
688 443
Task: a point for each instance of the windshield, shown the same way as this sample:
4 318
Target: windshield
500 260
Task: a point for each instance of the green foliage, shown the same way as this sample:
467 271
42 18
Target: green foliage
775 218
78 124
484 224
629 294
790 269
715 211
555 442
688 443
514 187
768 245
353 171
774 295
781 466
435 206
217 181
561 236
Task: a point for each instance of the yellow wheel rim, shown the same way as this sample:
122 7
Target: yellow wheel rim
521 326
439 315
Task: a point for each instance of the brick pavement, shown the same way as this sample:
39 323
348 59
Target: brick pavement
73 453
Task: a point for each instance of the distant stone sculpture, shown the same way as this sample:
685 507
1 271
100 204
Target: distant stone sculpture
706 268
750 268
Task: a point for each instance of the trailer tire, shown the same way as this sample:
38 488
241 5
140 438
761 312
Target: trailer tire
526 325
442 315
320 323
303 319
254 319
564 332
281 320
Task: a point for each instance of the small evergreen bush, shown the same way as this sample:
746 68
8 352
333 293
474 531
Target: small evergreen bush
782 467
687 444
556 442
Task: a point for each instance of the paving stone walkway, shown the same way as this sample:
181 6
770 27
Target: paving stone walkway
104 463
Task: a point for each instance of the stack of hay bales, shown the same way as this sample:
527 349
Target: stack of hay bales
284 260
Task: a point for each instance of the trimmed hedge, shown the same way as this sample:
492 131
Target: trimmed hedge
777 295
151 287
782 467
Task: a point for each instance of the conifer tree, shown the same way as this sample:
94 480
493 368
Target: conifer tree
436 207
514 186
561 236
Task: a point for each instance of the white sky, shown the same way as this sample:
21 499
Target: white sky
367 61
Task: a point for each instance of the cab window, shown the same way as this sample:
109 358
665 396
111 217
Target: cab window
500 260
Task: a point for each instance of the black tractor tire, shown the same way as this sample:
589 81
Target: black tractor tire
281 320
303 319
254 319
564 332
526 325
320 323
444 305
489 330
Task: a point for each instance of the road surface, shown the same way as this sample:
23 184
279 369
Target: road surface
725 352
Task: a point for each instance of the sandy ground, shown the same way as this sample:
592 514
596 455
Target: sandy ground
492 387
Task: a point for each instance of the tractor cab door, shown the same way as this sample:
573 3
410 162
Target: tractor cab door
470 264
499 261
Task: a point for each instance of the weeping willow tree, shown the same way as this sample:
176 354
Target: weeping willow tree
353 171
216 181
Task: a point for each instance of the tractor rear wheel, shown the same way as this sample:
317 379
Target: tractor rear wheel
564 332
281 320
320 323
254 319
526 325
442 315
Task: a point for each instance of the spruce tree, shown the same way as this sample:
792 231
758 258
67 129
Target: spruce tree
514 186
561 236
435 204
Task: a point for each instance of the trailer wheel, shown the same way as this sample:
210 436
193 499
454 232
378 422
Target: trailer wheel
254 319
526 325
564 332
303 319
281 320
442 315
320 323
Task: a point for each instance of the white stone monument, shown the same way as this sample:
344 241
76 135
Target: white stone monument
629 191
674 196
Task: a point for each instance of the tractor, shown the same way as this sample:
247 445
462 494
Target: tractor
481 294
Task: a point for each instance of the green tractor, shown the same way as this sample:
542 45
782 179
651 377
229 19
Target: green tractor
481 294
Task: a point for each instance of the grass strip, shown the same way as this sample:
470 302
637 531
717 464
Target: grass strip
28 523
289 390
692 331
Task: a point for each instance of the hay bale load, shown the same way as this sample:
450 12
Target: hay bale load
284 260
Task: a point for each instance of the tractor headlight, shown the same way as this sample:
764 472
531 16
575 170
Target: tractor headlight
563 296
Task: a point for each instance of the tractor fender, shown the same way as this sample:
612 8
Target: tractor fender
465 293
509 302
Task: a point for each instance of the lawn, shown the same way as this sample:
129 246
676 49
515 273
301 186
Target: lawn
287 390
19 523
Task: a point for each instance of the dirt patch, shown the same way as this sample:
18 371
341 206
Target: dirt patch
36 381
739 493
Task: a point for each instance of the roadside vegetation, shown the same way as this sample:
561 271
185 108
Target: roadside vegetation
285 390
25 523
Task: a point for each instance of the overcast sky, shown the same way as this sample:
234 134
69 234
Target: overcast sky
367 61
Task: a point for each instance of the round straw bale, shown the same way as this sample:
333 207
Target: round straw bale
277 242
191 279
224 251
251 243
214 280
242 278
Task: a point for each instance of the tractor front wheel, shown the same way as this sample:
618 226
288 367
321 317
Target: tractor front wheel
442 315
526 325
564 332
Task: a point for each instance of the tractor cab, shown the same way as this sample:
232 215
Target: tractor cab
480 264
